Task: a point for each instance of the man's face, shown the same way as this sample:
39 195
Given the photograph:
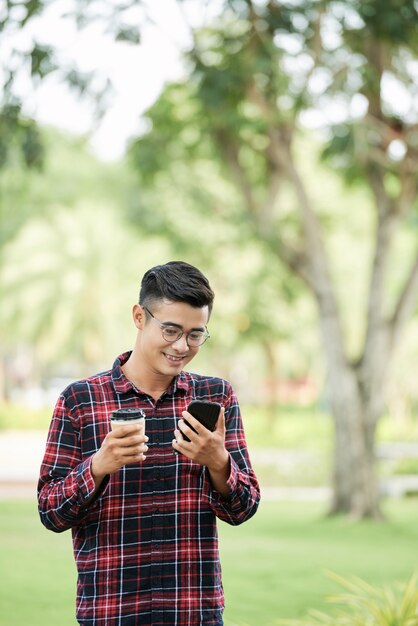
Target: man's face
161 357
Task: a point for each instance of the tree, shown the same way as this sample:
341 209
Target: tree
30 56
64 299
256 72
254 75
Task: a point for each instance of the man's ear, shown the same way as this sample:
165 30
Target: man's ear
138 315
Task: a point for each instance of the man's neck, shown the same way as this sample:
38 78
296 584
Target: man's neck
148 382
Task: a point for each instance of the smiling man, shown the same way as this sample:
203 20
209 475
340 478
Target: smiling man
143 518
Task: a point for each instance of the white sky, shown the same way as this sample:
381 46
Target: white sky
137 73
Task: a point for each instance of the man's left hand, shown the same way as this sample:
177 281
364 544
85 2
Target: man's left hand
205 447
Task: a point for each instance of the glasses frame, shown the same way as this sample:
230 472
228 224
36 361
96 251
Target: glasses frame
163 325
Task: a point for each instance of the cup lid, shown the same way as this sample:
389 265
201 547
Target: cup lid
127 414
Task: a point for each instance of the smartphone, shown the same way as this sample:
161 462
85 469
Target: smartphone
205 412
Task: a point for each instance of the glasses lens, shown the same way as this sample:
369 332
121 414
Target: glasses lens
196 339
170 333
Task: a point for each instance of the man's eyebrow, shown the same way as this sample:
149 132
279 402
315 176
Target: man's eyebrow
198 328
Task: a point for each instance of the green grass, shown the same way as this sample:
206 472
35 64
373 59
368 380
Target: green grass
17 417
273 566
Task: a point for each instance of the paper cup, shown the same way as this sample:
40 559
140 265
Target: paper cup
122 417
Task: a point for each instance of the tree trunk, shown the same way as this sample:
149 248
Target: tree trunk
355 483
356 394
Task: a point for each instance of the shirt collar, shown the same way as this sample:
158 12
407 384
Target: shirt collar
123 385
120 382
180 383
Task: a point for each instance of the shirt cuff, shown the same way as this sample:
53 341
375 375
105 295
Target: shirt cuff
211 495
86 485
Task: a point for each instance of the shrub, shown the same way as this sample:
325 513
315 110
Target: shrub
362 604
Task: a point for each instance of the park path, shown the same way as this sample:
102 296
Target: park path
21 454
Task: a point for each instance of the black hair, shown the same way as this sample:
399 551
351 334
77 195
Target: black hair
176 281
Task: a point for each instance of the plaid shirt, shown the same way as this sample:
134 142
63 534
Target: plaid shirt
146 546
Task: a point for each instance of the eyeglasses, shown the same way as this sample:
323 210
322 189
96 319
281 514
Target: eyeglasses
171 334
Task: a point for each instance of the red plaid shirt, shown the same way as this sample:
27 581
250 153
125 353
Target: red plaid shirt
146 547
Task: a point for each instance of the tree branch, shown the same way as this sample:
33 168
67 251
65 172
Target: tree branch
387 221
406 303
314 261
319 267
229 151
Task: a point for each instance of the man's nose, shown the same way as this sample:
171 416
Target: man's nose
181 343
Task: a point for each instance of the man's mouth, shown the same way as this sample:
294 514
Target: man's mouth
174 359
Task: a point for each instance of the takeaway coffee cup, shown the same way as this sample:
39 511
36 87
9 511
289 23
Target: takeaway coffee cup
122 417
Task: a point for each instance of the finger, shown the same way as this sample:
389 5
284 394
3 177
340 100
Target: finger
186 430
220 424
176 447
134 458
194 423
134 451
182 444
131 454
123 431
128 442
179 436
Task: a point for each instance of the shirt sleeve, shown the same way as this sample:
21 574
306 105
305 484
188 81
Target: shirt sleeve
244 496
66 488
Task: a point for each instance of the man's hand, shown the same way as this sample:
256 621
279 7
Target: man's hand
121 446
206 448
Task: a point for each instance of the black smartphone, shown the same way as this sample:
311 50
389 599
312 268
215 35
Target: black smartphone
205 412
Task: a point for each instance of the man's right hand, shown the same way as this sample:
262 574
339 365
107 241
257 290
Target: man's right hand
123 445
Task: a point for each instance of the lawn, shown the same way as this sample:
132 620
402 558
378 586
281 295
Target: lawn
274 565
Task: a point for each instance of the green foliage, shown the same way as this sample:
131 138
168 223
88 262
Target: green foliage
365 605
128 34
20 139
395 21
14 417
36 60
406 466
221 178
66 301
41 61
60 281
175 116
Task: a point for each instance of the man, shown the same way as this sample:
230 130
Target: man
143 518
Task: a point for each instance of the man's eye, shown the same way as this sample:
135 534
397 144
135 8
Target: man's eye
171 332
196 336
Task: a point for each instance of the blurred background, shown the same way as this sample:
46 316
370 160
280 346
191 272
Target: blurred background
275 146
